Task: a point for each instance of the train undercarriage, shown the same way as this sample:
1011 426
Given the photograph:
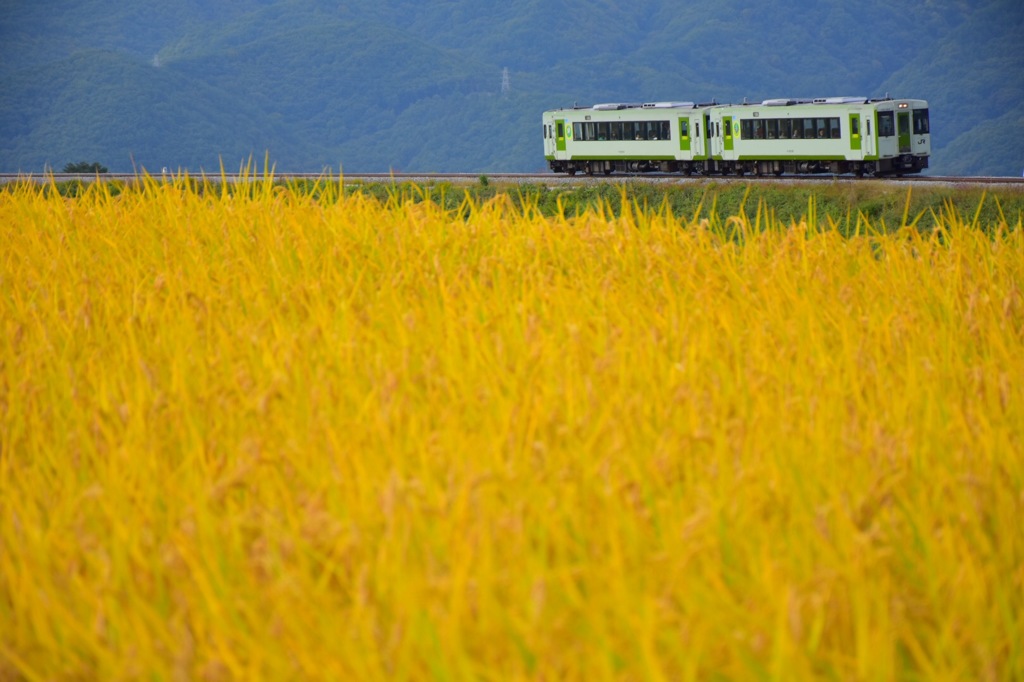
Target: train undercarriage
902 165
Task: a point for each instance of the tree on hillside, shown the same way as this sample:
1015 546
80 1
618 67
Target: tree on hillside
85 167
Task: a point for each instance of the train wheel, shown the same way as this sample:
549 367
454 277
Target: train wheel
607 170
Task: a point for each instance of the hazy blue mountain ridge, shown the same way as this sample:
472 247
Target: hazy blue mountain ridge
417 86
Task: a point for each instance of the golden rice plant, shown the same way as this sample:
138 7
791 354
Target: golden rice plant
249 434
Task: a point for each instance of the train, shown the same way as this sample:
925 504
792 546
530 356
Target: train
838 135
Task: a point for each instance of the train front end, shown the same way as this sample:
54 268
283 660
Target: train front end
903 136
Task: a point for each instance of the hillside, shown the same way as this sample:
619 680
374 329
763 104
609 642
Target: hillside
417 86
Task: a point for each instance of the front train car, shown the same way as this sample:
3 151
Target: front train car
836 135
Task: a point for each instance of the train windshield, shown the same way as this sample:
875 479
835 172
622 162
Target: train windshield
921 122
886 124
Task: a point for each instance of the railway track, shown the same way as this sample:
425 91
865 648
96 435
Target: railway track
547 177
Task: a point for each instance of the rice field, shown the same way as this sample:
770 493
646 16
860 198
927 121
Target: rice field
246 433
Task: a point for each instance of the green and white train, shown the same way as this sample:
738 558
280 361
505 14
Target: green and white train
837 135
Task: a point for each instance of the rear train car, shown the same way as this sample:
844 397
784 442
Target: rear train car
667 137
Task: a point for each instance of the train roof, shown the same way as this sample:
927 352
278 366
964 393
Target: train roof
612 106
774 102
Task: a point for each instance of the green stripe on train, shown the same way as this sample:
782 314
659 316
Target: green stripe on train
622 158
744 157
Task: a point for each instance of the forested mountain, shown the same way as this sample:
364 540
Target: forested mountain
414 86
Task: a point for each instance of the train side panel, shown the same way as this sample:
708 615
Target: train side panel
800 138
624 137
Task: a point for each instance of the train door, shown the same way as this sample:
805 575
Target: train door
709 134
855 136
684 135
560 128
727 133
699 131
869 135
903 130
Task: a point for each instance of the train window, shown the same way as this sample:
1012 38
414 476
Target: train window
833 128
589 131
798 128
772 125
684 128
560 131
577 128
886 128
921 121
821 128
602 131
746 128
785 128
615 130
666 130
696 129
855 125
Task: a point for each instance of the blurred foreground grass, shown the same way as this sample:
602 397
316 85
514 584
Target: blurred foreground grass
267 433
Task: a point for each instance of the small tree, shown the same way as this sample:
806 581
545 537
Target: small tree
85 167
